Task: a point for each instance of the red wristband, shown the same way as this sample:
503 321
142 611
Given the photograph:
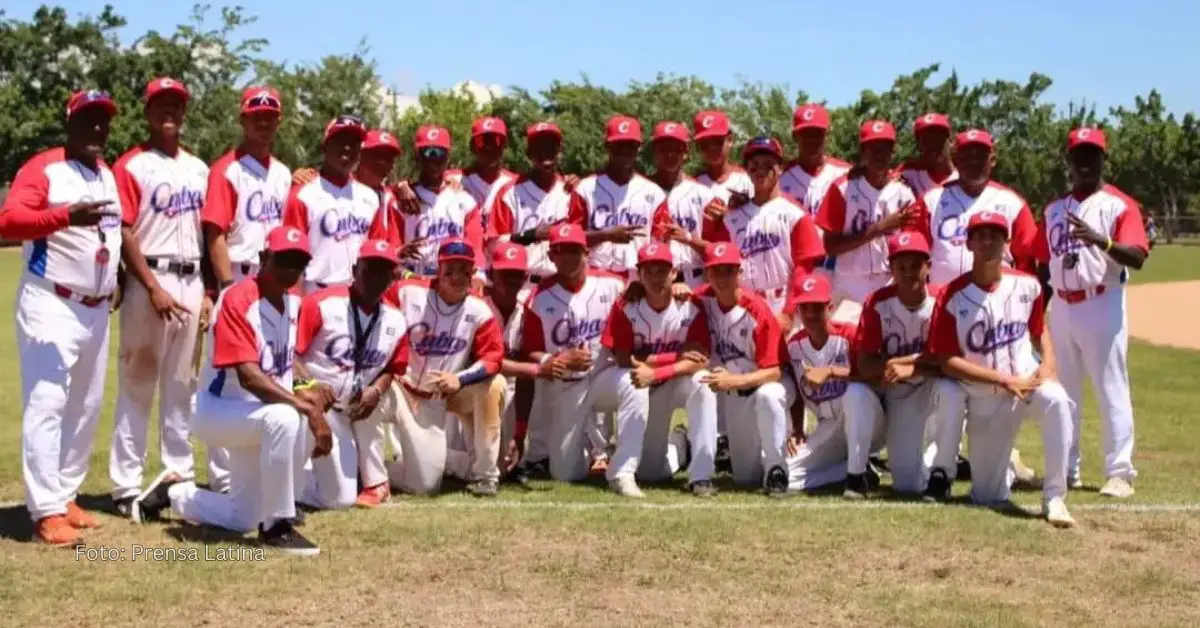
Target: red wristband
663 373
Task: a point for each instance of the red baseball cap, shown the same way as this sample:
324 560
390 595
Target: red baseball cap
812 289
722 254
710 124
907 242
378 249
91 98
261 98
762 144
509 256
812 115
670 130
489 125
456 248
543 128
988 219
378 139
974 136
931 121
432 135
622 129
655 252
875 130
163 85
345 124
1079 137
284 238
568 233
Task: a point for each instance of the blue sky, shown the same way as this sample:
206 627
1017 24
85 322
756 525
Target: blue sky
1103 51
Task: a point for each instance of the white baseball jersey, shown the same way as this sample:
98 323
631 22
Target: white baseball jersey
338 218
944 212
686 202
1075 266
245 200
483 191
809 188
852 205
746 337
444 337
445 214
510 328
991 327
80 259
327 341
598 203
161 198
646 331
921 180
389 208
522 205
247 328
838 351
890 329
558 318
735 180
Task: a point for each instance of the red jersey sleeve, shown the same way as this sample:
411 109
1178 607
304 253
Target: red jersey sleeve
500 220
128 189
832 215
473 234
398 365
308 323
532 338
295 212
233 338
25 215
868 338
661 221
767 336
943 331
1130 229
714 230
924 220
697 333
807 246
220 199
1041 243
489 346
577 211
1024 236
619 329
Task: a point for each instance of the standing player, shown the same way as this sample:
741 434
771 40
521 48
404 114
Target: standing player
746 371
251 406
376 161
63 206
730 183
849 417
336 212
484 179
687 200
986 327
164 309
1089 238
350 340
857 214
665 343
808 177
933 166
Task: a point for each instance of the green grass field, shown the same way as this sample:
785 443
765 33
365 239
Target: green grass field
566 555
1170 262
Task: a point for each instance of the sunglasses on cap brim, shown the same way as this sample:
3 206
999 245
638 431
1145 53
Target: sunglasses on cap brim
269 102
457 249
433 153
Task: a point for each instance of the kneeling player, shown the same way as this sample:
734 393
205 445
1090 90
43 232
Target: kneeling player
349 340
986 326
849 416
665 342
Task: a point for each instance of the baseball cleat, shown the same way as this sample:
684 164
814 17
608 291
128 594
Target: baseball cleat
776 483
149 505
703 488
1055 511
722 455
79 518
518 475
124 507
625 486
938 487
1075 482
484 488
56 532
372 497
879 462
283 537
857 486
1117 487
963 470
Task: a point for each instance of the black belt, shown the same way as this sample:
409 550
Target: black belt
172 266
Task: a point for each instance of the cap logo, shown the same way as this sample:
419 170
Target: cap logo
1084 133
166 82
669 128
623 127
929 118
652 249
431 134
541 126
719 250
293 235
808 114
986 215
904 239
972 135
510 254
564 231
877 127
385 137
809 284
487 124
706 122
262 93
381 246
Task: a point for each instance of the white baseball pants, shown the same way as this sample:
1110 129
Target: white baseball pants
537 431
1092 338
850 292
332 482
642 437
268 445
848 429
154 354
757 421
63 348
573 404
909 413
218 457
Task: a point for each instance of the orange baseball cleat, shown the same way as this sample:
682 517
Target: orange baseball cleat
373 496
56 531
80 518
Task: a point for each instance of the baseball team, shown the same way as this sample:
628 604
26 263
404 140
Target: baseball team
331 335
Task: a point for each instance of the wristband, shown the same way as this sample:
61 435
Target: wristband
545 358
302 385
472 375
663 373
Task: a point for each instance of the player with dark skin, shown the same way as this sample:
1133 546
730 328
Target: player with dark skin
876 167
543 151
620 167
87 134
1086 163
933 152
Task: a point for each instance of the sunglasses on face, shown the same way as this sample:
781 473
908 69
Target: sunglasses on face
434 153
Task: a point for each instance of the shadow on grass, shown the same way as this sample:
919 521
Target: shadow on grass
207 535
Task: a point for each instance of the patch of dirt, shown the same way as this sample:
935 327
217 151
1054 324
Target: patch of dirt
1164 313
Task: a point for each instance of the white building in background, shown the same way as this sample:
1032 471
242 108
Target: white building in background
393 103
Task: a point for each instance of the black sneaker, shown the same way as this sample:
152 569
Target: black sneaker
722 455
283 537
880 463
483 488
963 470
703 488
938 487
857 486
539 469
149 505
873 476
777 482
519 476
300 518
124 507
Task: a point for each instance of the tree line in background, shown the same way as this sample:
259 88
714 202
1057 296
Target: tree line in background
1155 156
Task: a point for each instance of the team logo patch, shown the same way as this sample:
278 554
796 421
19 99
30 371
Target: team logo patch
510 254
293 235
431 134
929 119
719 250
904 239
808 114
623 127
1084 133
470 318
877 127
564 231
706 122
487 124
809 284
972 134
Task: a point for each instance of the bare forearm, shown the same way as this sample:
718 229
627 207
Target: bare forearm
1126 255
758 378
516 368
218 254
131 254
871 367
256 382
839 243
960 368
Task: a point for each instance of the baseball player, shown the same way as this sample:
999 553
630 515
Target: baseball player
337 212
777 238
933 166
561 331
348 339
253 406
729 182
619 208
376 161
165 308
484 178
64 206
746 371
455 353
850 420
808 177
858 212
665 344
688 200
1089 239
986 326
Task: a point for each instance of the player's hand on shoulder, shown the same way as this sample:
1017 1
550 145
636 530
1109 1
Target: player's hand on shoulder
406 198
784 320
634 292
716 209
303 176
89 213
167 307
681 292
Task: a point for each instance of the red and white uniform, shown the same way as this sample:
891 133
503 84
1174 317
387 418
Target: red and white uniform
1088 322
483 191
248 328
776 240
921 180
686 203
945 211
337 219
599 203
161 199
443 337
445 214
522 205
245 200
736 180
994 328
809 188
389 206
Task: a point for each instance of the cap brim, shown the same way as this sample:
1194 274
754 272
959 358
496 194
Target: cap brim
809 125
174 89
1103 148
623 138
258 108
509 266
707 133
108 105
906 251
450 258
988 145
721 263
807 300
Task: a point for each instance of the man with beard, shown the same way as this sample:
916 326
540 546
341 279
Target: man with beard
933 166
63 205
688 201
